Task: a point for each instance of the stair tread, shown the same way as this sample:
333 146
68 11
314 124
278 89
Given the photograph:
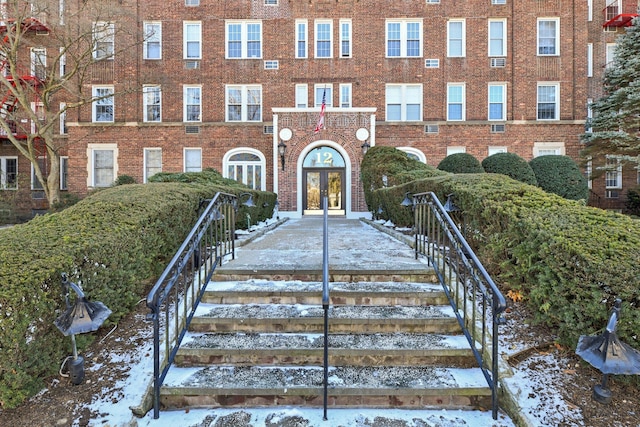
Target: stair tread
295 286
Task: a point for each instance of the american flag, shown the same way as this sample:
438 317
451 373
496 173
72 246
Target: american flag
320 124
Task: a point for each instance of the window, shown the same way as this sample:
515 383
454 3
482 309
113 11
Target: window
610 50
103 104
589 10
414 153
8 173
193 160
63 62
192 33
247 166
548 36
613 175
494 149
271 2
102 163
497 37
152 47
345 95
244 103
589 59
588 127
39 63
63 119
497 101
404 38
455 101
324 39
404 102
456 150
64 172
192 2
323 91
192 103
456 38
152 162
548 101
61 11
345 38
152 103
35 183
548 149
301 39
244 39
103 40
302 96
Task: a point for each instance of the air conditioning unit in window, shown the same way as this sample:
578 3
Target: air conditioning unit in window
498 62
497 128
192 65
192 130
267 130
431 129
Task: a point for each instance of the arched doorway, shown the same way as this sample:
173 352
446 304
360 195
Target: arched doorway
323 174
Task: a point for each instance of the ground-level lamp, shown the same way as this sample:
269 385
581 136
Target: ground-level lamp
407 201
609 355
81 317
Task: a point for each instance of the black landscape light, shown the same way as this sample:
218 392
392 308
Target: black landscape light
249 203
84 316
407 200
609 355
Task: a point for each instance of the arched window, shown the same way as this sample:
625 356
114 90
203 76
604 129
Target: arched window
246 166
414 153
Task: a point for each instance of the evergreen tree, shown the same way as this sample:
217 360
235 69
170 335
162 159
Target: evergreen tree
616 116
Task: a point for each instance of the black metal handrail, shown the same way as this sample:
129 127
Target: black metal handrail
476 300
176 294
325 298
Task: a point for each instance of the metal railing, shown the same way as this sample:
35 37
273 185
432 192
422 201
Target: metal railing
176 294
477 302
325 298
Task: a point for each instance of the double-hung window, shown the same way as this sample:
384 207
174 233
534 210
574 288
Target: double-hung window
152 45
456 38
152 103
244 39
192 40
497 101
244 103
193 159
613 175
548 101
192 96
404 38
8 173
302 96
403 102
39 63
103 40
35 182
64 173
345 95
323 91
324 38
497 37
103 104
152 162
302 47
103 166
548 36
455 101
345 38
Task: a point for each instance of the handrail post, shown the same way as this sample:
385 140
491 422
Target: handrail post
325 298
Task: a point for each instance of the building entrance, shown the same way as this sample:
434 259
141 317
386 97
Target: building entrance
323 174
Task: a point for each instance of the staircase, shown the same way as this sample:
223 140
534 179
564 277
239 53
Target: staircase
257 341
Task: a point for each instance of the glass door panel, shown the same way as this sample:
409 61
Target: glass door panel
313 191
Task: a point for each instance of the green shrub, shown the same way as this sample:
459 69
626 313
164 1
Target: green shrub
633 200
460 163
560 175
124 179
512 165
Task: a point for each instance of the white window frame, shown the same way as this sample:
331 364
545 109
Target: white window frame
302 96
39 62
244 39
346 38
316 25
589 114
589 59
403 39
4 185
302 39
452 102
556 37
589 10
151 93
548 149
503 102
63 119
62 62
411 151
189 37
190 100
463 49
92 150
64 172
62 11
613 173
191 168
103 40
103 98
150 170
556 101
318 90
401 95
456 149
243 102
227 162
502 40
495 149
610 51
152 37
345 95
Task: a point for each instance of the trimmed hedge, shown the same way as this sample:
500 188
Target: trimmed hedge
113 243
460 163
560 175
512 165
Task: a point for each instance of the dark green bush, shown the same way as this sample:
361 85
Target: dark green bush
560 175
124 179
633 200
460 163
512 165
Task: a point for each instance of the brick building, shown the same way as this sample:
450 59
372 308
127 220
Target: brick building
238 86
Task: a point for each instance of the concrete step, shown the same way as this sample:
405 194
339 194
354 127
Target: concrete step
341 293
310 318
364 387
308 349
419 274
